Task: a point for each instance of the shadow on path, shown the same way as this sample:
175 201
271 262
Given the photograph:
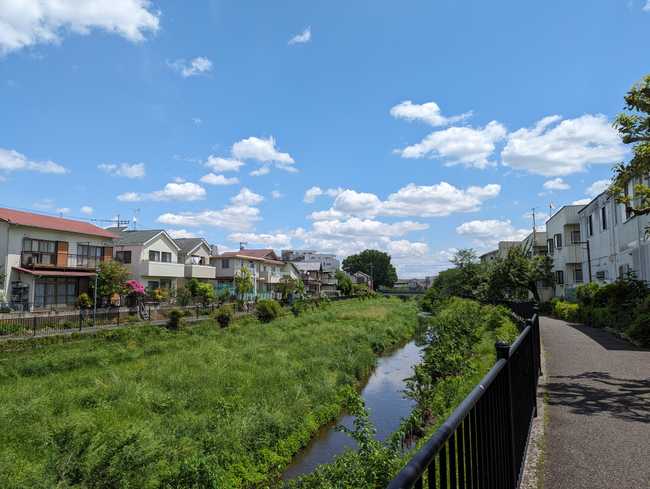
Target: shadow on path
592 393
606 339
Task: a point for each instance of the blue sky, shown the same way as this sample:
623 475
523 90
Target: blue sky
425 125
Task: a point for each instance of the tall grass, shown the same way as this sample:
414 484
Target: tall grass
201 407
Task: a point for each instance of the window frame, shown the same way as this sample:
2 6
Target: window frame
559 277
121 256
155 254
603 218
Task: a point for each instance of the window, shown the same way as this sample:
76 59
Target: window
559 277
575 236
558 241
578 274
165 283
154 255
225 263
551 246
55 291
38 252
153 285
123 256
166 257
591 224
603 218
89 256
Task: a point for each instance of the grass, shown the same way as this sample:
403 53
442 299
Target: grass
203 407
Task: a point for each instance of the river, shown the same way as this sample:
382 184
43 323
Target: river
383 395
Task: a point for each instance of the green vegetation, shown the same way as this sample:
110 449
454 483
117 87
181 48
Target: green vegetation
200 407
623 306
244 282
268 310
374 263
224 315
111 279
343 283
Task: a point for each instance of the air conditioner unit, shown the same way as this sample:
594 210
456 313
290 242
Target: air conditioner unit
601 275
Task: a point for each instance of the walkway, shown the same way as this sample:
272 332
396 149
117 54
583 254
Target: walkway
598 410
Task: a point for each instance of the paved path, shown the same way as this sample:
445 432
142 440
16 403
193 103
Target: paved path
598 410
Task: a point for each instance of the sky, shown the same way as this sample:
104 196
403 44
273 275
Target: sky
416 128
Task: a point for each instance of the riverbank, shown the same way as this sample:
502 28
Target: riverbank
146 407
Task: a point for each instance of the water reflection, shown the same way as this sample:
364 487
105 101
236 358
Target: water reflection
383 397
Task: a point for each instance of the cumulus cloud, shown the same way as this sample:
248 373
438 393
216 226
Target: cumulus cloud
277 241
262 170
218 164
490 231
181 191
87 210
126 170
556 147
428 112
556 184
581 202
468 146
182 233
247 197
213 179
197 66
312 193
29 22
263 150
646 8
598 187
11 160
276 194
302 38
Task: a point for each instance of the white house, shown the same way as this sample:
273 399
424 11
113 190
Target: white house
195 255
46 262
151 257
567 249
266 269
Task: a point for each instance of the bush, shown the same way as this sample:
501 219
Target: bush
224 315
567 311
586 293
175 319
299 307
84 301
267 310
183 296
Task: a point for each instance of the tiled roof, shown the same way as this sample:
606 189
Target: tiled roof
126 237
54 223
188 244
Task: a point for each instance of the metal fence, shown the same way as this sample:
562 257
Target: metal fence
482 445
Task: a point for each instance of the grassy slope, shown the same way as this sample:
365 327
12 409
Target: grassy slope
150 408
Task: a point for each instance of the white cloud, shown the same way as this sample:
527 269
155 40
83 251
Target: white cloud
326 215
581 202
365 227
135 170
556 184
28 22
646 8
213 179
357 203
428 112
471 147
598 187
302 38
264 151
490 231
276 194
186 191
182 233
193 67
87 210
556 147
219 164
11 160
313 192
277 241
262 170
247 197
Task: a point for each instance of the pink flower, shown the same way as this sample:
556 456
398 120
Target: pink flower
135 287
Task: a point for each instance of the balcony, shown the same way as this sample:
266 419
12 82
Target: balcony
200 271
570 253
36 260
270 277
162 269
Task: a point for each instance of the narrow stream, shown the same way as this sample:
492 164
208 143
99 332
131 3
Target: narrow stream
384 399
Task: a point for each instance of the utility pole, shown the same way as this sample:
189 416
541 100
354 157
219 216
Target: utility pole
532 251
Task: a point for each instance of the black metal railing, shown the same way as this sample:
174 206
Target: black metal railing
483 443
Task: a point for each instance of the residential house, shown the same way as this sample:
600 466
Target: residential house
329 266
501 252
618 244
489 256
567 249
151 257
311 274
46 262
195 254
267 270
535 244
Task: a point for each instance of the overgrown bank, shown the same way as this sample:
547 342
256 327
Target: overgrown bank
200 407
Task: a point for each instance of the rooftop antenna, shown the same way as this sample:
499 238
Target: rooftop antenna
136 213
242 244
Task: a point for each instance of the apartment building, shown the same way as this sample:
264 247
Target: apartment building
195 254
151 256
46 262
618 243
567 249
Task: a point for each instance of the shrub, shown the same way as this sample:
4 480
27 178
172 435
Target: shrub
586 293
267 310
224 315
567 311
507 332
175 319
299 307
183 296
639 330
84 301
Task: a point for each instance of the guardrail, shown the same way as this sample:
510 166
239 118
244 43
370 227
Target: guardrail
483 443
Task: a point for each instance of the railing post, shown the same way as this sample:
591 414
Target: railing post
34 325
503 353
534 359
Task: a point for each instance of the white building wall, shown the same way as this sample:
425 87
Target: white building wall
570 257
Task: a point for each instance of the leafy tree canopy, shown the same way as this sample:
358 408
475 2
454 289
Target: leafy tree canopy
112 278
343 282
374 263
244 282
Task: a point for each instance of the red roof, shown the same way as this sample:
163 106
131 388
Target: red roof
54 273
56 223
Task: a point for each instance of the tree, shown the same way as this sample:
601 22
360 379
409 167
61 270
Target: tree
374 263
244 282
288 287
343 282
193 286
112 278
634 128
205 293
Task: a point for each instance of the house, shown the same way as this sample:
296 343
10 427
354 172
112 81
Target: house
362 278
567 249
501 252
151 257
266 268
195 254
489 256
46 262
618 244
311 273
329 265
535 244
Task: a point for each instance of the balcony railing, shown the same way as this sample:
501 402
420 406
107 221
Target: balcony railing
37 259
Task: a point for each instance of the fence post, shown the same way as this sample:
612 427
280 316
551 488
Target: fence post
503 353
118 315
34 325
534 360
